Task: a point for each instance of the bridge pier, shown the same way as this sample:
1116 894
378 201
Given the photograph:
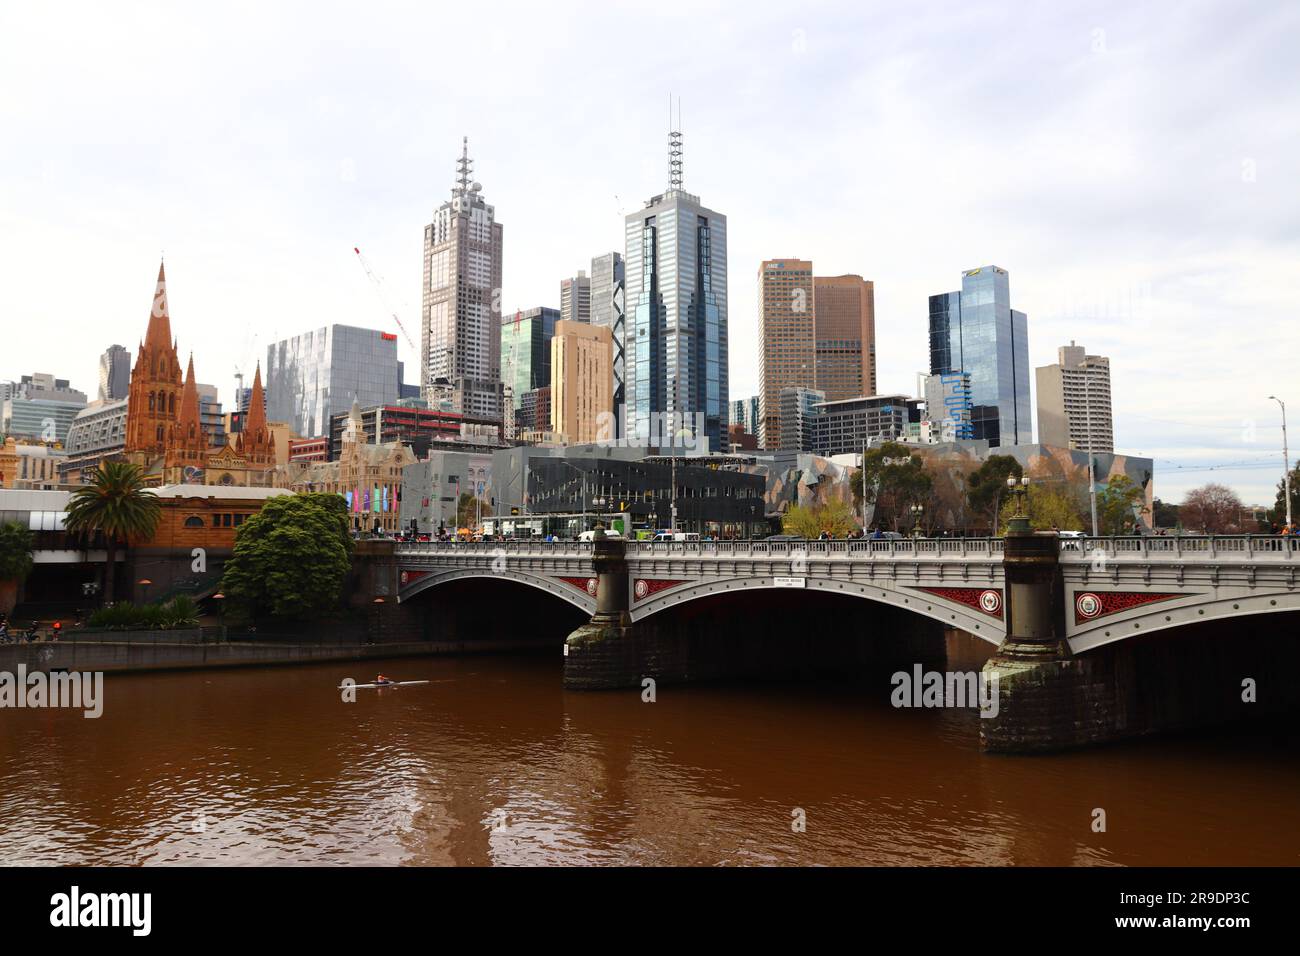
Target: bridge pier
1048 699
607 651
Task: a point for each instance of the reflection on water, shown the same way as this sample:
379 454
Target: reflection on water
493 762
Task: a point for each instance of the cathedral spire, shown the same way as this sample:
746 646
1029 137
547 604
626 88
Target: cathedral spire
160 328
256 404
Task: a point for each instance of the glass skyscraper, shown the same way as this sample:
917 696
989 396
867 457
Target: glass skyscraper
526 350
321 373
675 344
976 331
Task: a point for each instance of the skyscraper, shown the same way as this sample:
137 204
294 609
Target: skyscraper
844 319
582 381
789 344
675 344
977 332
1074 401
460 341
575 298
114 374
607 301
526 350
315 375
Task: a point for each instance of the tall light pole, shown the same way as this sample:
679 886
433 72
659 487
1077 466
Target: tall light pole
583 472
1286 464
1092 464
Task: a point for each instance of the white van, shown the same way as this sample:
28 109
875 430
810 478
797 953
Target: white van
678 536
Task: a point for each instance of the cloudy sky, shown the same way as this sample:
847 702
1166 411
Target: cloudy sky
1133 166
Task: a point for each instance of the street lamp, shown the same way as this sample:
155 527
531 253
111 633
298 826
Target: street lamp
221 612
1286 464
1019 523
917 510
144 583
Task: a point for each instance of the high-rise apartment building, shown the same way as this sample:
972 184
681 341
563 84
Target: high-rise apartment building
607 304
1074 401
947 405
977 332
789 345
460 340
320 373
582 382
675 344
575 298
114 374
844 322
526 350
745 413
798 407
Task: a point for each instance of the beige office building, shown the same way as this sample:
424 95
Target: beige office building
582 381
1074 408
786 337
816 332
844 325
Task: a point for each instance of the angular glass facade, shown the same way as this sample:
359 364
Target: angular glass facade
976 331
676 340
526 350
313 376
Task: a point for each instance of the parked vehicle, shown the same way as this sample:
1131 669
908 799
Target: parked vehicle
591 535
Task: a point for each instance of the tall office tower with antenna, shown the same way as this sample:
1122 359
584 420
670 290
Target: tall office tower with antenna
460 334
675 340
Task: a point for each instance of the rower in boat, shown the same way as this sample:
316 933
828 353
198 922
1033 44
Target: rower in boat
381 680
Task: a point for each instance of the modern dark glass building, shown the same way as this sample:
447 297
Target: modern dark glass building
976 331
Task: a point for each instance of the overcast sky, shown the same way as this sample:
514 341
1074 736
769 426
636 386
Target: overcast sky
1133 166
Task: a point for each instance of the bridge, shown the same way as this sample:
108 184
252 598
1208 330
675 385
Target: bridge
1114 588
1067 619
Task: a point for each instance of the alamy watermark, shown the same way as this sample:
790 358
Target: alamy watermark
80 690
922 688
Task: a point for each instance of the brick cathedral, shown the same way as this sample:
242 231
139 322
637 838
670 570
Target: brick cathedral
165 434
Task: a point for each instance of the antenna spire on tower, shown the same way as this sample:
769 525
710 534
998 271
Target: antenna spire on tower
674 145
464 168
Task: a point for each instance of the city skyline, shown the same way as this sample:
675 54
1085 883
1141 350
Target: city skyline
1163 241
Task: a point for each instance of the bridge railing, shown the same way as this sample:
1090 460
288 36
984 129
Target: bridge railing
942 548
1248 546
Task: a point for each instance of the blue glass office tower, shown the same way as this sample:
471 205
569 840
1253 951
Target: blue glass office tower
675 347
977 332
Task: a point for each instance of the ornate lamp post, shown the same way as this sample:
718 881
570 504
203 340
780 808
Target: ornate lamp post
1019 523
917 510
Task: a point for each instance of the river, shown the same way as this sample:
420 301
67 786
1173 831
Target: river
494 763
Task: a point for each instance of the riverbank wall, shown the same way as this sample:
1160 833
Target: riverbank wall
120 656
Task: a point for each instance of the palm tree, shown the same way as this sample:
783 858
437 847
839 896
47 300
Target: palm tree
15 563
116 504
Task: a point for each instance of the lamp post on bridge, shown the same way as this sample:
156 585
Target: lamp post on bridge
1019 523
1286 464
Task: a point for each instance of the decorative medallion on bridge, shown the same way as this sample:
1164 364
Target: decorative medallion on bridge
1090 605
985 600
582 584
406 577
647 587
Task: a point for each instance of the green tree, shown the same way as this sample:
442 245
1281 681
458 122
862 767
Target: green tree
834 517
467 511
1049 508
987 486
1278 514
892 479
1115 501
291 558
15 563
1164 515
116 504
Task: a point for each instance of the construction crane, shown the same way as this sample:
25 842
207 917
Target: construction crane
379 287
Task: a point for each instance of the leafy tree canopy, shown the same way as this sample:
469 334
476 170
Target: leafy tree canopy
15 551
892 479
835 518
291 558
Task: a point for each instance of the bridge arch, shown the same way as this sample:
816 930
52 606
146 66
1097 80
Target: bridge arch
562 590
987 627
1194 608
